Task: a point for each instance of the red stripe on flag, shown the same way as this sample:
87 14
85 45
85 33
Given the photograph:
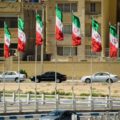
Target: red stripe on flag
21 45
76 40
6 51
59 34
113 51
96 46
38 39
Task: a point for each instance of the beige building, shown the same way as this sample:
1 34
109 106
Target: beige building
104 11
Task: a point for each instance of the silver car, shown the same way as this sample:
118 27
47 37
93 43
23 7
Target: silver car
12 76
100 77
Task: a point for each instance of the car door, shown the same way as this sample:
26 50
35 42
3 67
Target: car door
45 76
99 77
8 76
51 76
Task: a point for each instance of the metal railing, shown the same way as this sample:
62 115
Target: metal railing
42 102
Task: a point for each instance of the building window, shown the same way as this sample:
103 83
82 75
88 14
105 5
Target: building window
67 29
74 7
66 51
92 7
68 7
11 22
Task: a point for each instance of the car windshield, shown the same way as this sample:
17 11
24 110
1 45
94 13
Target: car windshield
55 113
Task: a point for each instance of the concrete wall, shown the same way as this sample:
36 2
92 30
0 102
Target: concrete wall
76 69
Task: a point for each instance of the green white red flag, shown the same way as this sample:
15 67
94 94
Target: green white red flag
113 41
21 35
59 24
76 37
7 38
39 30
96 38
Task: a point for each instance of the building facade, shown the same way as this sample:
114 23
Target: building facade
104 11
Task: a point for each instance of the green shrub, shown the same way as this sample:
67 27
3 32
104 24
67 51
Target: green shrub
23 72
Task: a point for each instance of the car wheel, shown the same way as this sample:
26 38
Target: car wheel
37 80
111 81
58 80
87 80
17 80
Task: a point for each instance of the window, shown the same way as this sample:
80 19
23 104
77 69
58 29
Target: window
67 29
67 51
68 7
74 7
11 22
92 7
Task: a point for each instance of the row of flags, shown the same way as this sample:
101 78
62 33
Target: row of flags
96 42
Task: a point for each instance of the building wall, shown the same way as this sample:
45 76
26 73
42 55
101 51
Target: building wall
106 10
76 69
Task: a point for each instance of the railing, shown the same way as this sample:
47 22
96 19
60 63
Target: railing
10 103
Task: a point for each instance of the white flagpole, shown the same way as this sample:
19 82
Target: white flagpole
91 74
118 32
19 76
56 71
36 70
4 86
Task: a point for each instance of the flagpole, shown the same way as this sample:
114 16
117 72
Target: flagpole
109 85
73 95
91 74
56 71
19 77
36 71
4 85
118 32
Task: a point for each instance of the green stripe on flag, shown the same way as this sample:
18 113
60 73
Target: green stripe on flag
20 24
113 31
6 30
59 13
39 20
76 21
95 25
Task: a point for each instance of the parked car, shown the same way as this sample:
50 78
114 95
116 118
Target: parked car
49 76
12 76
58 115
100 77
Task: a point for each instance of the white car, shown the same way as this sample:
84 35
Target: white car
100 77
12 76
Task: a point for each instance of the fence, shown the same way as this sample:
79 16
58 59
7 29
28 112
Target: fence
11 103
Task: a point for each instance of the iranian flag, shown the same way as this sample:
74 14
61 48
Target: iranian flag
39 29
113 42
76 37
21 36
7 37
59 24
96 38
